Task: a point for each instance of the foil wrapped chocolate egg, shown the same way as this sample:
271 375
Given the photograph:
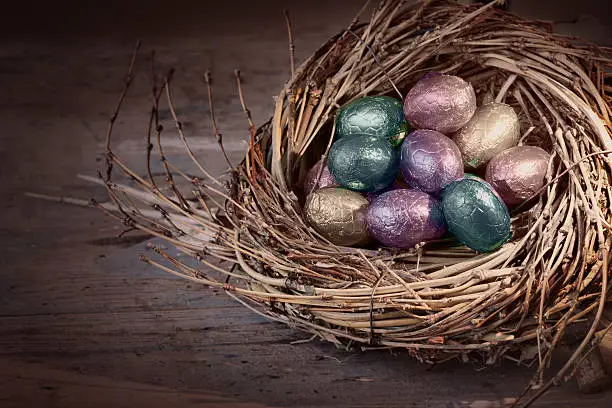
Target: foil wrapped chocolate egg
363 162
405 217
429 161
380 116
326 179
440 102
493 129
475 214
518 173
339 215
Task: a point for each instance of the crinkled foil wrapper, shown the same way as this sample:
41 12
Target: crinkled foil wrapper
325 180
405 217
339 215
380 116
475 214
363 163
440 102
518 173
493 129
429 161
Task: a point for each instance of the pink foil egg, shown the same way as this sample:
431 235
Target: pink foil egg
518 173
440 102
326 179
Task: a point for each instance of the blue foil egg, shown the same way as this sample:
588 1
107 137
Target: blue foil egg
475 214
380 116
363 163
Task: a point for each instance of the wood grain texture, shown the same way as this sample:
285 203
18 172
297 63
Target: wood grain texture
33 385
84 324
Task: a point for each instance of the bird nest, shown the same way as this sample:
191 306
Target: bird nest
247 234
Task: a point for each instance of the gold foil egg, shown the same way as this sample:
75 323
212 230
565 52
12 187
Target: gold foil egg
339 215
493 128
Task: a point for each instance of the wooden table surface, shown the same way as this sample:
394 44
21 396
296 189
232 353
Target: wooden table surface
83 323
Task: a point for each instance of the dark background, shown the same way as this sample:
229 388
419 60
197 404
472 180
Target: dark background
82 321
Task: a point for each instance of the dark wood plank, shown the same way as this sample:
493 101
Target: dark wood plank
33 385
83 323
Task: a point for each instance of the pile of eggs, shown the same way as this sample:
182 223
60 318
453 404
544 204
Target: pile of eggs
396 172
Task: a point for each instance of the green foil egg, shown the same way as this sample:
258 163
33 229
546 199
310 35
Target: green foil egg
475 214
363 162
380 116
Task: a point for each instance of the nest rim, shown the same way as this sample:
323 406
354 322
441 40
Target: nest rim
279 175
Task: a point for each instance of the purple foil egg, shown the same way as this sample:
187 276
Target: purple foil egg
440 102
405 217
326 179
518 173
429 161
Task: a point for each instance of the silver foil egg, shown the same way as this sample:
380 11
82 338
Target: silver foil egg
440 102
518 173
493 129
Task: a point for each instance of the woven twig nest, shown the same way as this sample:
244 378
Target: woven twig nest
437 301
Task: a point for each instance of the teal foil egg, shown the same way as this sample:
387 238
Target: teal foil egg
380 116
476 215
363 162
